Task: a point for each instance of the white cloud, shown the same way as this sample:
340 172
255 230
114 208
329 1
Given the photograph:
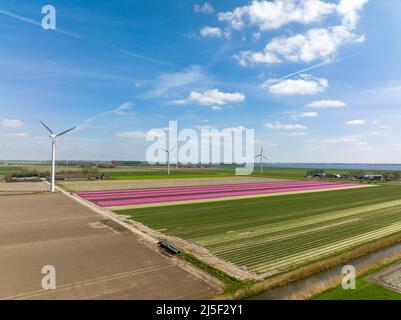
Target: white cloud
305 115
355 123
324 104
315 44
211 32
267 15
169 81
302 85
280 126
298 134
378 133
122 109
11 123
355 140
246 57
131 134
17 135
212 97
204 8
349 10
256 36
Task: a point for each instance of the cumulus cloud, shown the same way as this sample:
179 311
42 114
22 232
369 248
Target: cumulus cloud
324 104
315 44
268 15
211 32
303 85
349 10
11 123
131 134
204 8
212 97
280 126
355 123
305 115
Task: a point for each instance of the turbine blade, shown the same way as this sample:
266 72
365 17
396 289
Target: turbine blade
46 127
265 158
172 149
64 132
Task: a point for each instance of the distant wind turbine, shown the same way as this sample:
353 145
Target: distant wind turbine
168 158
261 156
54 137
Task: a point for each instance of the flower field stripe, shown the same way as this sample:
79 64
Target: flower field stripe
133 195
176 191
192 188
217 195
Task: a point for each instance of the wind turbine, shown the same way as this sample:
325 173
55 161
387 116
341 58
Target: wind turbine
261 156
168 158
54 137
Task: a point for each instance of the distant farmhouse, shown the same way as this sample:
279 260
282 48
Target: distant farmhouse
373 177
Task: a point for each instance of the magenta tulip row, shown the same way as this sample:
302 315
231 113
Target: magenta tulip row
158 195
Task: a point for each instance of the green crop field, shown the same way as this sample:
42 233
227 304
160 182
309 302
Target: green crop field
275 234
10 169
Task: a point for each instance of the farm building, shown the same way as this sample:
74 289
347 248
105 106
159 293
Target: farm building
373 177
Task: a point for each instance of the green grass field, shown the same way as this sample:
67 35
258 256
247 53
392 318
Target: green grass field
364 290
10 169
276 234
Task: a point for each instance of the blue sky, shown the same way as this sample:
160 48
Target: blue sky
318 80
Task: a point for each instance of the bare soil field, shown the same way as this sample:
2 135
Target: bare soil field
78 186
93 260
18 188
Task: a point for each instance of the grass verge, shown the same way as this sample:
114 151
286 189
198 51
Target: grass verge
231 284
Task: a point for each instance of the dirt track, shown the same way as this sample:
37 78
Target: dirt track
92 260
78 186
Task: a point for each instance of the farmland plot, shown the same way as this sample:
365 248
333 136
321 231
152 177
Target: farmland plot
271 235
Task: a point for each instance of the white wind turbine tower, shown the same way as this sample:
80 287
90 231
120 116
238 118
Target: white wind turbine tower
261 156
54 137
168 158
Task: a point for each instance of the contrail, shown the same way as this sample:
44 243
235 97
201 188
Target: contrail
31 21
129 53
322 64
